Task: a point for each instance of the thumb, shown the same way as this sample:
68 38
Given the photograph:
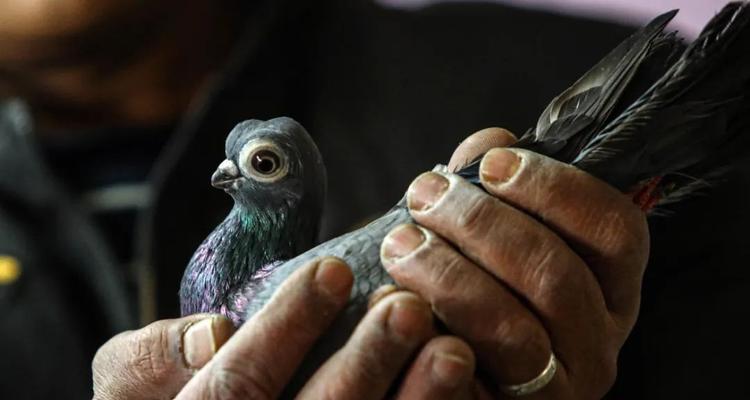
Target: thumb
478 144
156 361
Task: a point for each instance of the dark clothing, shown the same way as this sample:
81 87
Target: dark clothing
108 171
69 295
386 94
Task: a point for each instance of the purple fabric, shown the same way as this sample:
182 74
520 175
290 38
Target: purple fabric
693 15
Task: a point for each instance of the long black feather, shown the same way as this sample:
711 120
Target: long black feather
652 121
685 116
589 101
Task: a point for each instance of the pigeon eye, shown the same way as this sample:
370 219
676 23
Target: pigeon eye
263 161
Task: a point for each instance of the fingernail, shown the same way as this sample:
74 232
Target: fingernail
201 342
401 242
333 277
449 369
426 190
379 294
408 320
499 166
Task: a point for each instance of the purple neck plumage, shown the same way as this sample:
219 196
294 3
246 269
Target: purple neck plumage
244 249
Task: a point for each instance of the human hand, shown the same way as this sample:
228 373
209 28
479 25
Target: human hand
549 259
179 358
156 361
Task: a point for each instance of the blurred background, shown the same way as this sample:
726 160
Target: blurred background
693 13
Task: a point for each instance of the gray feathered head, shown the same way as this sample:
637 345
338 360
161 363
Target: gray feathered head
271 164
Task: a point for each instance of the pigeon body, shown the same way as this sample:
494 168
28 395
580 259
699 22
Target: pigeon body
277 179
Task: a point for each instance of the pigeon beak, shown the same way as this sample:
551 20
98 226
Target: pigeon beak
225 175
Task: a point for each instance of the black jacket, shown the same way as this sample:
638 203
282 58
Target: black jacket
386 94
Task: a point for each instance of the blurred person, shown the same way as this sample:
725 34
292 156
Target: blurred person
114 117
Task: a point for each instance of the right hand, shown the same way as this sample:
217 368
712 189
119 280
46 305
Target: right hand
179 358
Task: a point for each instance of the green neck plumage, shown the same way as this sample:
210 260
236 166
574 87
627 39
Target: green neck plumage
248 240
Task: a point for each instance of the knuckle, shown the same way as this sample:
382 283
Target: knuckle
472 219
547 274
516 335
623 231
109 352
539 250
449 271
99 365
101 359
360 370
234 381
148 357
301 327
607 221
367 368
551 287
293 322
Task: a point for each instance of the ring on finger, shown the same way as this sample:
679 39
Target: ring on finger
534 385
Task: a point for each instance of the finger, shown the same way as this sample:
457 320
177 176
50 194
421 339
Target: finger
380 347
263 355
511 343
602 224
444 369
156 361
530 259
379 294
478 144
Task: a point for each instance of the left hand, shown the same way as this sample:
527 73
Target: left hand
549 259
202 357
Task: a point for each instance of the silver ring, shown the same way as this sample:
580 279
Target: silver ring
535 384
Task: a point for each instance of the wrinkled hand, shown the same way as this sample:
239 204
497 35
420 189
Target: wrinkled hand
550 259
179 358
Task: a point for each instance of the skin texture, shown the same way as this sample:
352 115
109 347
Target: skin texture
550 259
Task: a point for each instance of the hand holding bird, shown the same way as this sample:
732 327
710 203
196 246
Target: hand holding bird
180 358
526 269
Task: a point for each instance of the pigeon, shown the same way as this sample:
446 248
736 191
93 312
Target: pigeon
654 118
276 177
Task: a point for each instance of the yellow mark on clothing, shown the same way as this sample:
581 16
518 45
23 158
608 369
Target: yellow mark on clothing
10 269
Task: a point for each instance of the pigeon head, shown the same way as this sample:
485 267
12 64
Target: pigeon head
272 165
